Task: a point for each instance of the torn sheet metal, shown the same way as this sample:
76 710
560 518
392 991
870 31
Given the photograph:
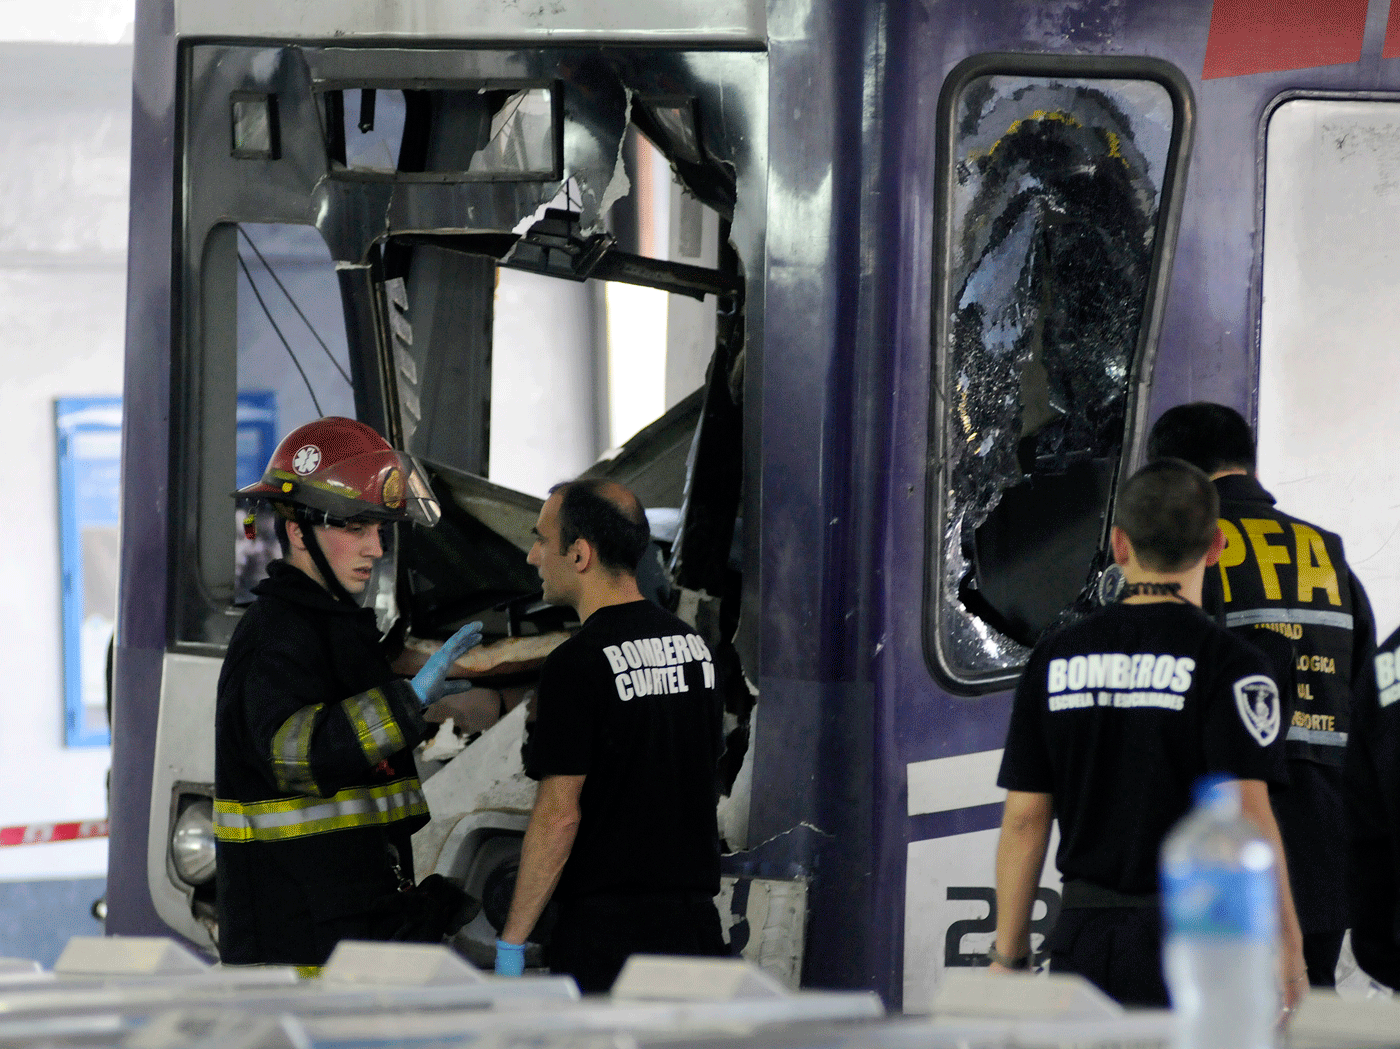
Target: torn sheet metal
355 209
594 114
764 921
720 156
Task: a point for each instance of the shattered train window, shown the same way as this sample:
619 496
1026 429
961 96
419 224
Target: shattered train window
1053 199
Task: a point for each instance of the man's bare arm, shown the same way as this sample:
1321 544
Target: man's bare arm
1254 803
548 840
1025 835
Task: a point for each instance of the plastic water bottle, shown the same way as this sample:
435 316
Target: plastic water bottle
1220 899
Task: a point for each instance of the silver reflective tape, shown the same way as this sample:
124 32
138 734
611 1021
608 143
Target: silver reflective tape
353 807
1307 616
1317 737
291 752
374 724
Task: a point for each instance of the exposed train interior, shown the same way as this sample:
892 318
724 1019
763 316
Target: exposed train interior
517 266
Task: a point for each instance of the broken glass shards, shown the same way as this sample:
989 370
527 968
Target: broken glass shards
1054 192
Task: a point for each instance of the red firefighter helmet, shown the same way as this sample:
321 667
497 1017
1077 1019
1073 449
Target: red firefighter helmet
344 469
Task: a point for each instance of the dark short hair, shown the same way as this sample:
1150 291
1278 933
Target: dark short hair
606 515
1170 511
1207 435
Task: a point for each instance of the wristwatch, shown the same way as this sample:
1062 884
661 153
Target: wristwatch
995 956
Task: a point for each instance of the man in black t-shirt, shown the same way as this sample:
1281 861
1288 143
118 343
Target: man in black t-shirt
1284 586
625 743
1114 719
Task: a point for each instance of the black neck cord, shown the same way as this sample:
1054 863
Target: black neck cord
1155 590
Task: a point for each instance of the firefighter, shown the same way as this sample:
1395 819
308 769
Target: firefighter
316 792
1115 717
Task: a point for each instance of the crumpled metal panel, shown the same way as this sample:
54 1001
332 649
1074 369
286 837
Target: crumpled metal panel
1054 199
353 211
357 210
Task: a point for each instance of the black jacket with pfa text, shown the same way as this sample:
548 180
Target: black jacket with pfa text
1284 585
316 791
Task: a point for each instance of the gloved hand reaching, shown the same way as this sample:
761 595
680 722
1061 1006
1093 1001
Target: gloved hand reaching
510 959
431 683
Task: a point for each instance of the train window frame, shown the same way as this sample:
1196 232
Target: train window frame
954 676
1291 470
205 592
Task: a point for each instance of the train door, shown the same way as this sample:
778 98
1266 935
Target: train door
1060 184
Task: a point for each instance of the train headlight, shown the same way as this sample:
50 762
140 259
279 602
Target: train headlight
192 844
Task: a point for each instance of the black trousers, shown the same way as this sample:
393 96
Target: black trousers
595 935
1321 951
1118 949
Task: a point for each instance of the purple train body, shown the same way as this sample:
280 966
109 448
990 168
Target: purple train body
973 248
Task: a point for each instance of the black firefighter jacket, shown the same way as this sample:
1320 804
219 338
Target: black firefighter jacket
314 777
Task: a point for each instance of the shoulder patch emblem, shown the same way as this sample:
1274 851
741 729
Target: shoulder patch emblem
1256 698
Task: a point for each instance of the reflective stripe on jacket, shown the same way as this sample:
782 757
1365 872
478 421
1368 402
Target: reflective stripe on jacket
303 816
371 720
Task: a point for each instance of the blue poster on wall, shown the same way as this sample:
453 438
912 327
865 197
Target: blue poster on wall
257 433
89 491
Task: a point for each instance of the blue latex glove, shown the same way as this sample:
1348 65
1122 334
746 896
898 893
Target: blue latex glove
430 683
510 959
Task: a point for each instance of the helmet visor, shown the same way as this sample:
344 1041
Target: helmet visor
387 485
419 500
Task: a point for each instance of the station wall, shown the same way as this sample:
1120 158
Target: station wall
65 118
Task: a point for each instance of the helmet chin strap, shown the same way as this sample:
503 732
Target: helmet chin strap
318 557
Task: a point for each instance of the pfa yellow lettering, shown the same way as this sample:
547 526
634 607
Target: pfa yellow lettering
1315 722
1266 555
1315 571
1232 556
1317 664
1292 631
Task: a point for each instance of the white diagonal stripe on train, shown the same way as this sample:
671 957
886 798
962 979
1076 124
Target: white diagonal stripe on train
961 782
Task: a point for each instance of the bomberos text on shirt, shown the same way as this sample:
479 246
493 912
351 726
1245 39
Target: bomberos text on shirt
1117 679
655 666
